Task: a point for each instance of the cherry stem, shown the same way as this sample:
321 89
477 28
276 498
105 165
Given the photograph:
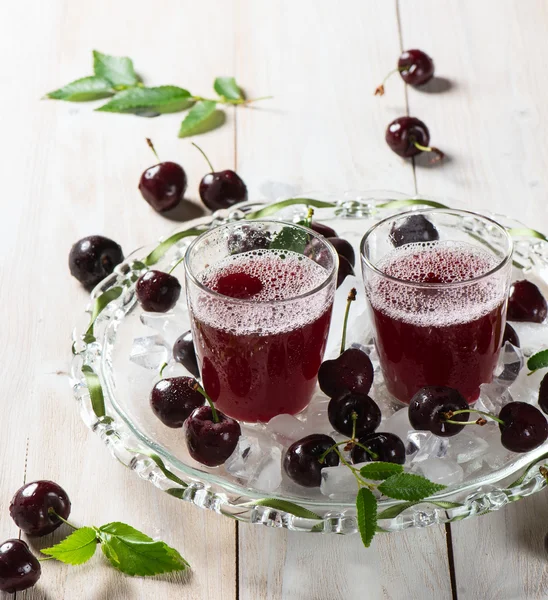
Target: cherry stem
349 300
331 449
176 264
205 156
355 472
151 146
354 419
452 413
480 422
308 218
372 454
214 414
380 89
51 511
164 365
438 153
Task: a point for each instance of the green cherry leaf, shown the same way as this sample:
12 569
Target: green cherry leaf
95 391
135 553
406 486
227 87
149 101
366 506
83 90
201 118
286 506
289 238
271 209
116 69
76 549
538 361
379 470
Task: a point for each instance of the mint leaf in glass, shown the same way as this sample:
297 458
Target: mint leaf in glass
135 553
77 548
406 486
155 100
83 90
366 507
379 470
228 88
202 117
116 69
290 238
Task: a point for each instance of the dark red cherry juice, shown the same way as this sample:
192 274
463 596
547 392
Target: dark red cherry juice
437 334
260 354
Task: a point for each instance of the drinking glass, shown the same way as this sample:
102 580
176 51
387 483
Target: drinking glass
438 306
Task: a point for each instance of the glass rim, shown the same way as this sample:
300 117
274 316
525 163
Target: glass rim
248 301
417 284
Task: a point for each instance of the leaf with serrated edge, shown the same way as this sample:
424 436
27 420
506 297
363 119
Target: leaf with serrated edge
116 69
380 470
163 99
201 118
366 507
76 549
95 391
101 302
538 361
406 486
83 90
227 87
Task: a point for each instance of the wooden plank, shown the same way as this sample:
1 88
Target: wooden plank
491 125
324 130
73 172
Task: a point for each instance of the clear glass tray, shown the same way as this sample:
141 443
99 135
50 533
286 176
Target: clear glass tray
107 383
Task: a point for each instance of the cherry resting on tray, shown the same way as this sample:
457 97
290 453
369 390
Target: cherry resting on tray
526 303
163 185
185 353
221 189
543 394
409 136
302 459
429 405
92 258
35 507
416 228
354 414
157 291
19 568
174 398
383 446
415 67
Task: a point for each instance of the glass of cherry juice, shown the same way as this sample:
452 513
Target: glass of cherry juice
437 283
260 295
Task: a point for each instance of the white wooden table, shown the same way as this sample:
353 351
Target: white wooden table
69 172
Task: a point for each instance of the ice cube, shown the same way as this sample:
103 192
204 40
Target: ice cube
430 446
399 425
150 352
525 388
441 470
339 481
286 429
242 462
496 455
256 464
493 397
384 399
466 446
169 325
532 336
473 466
315 417
509 365
268 474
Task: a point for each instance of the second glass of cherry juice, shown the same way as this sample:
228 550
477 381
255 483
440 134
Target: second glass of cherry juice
260 296
438 306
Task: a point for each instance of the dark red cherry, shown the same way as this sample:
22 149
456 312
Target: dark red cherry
222 189
344 248
416 67
163 185
526 303
247 238
543 394
157 291
208 442
302 459
409 136
416 228
174 398
524 427
185 353
510 335
239 285
19 568
341 410
323 229
92 258
352 371
31 504
387 447
345 269
428 407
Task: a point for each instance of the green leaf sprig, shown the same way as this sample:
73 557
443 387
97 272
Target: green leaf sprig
115 78
537 361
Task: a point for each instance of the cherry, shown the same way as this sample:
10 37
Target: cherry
302 459
211 436
248 238
19 568
510 335
428 407
239 285
386 446
221 189
174 398
185 353
92 258
323 229
409 136
33 507
526 303
415 67
523 427
163 185
157 291
543 394
343 248
416 228
354 414
345 269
